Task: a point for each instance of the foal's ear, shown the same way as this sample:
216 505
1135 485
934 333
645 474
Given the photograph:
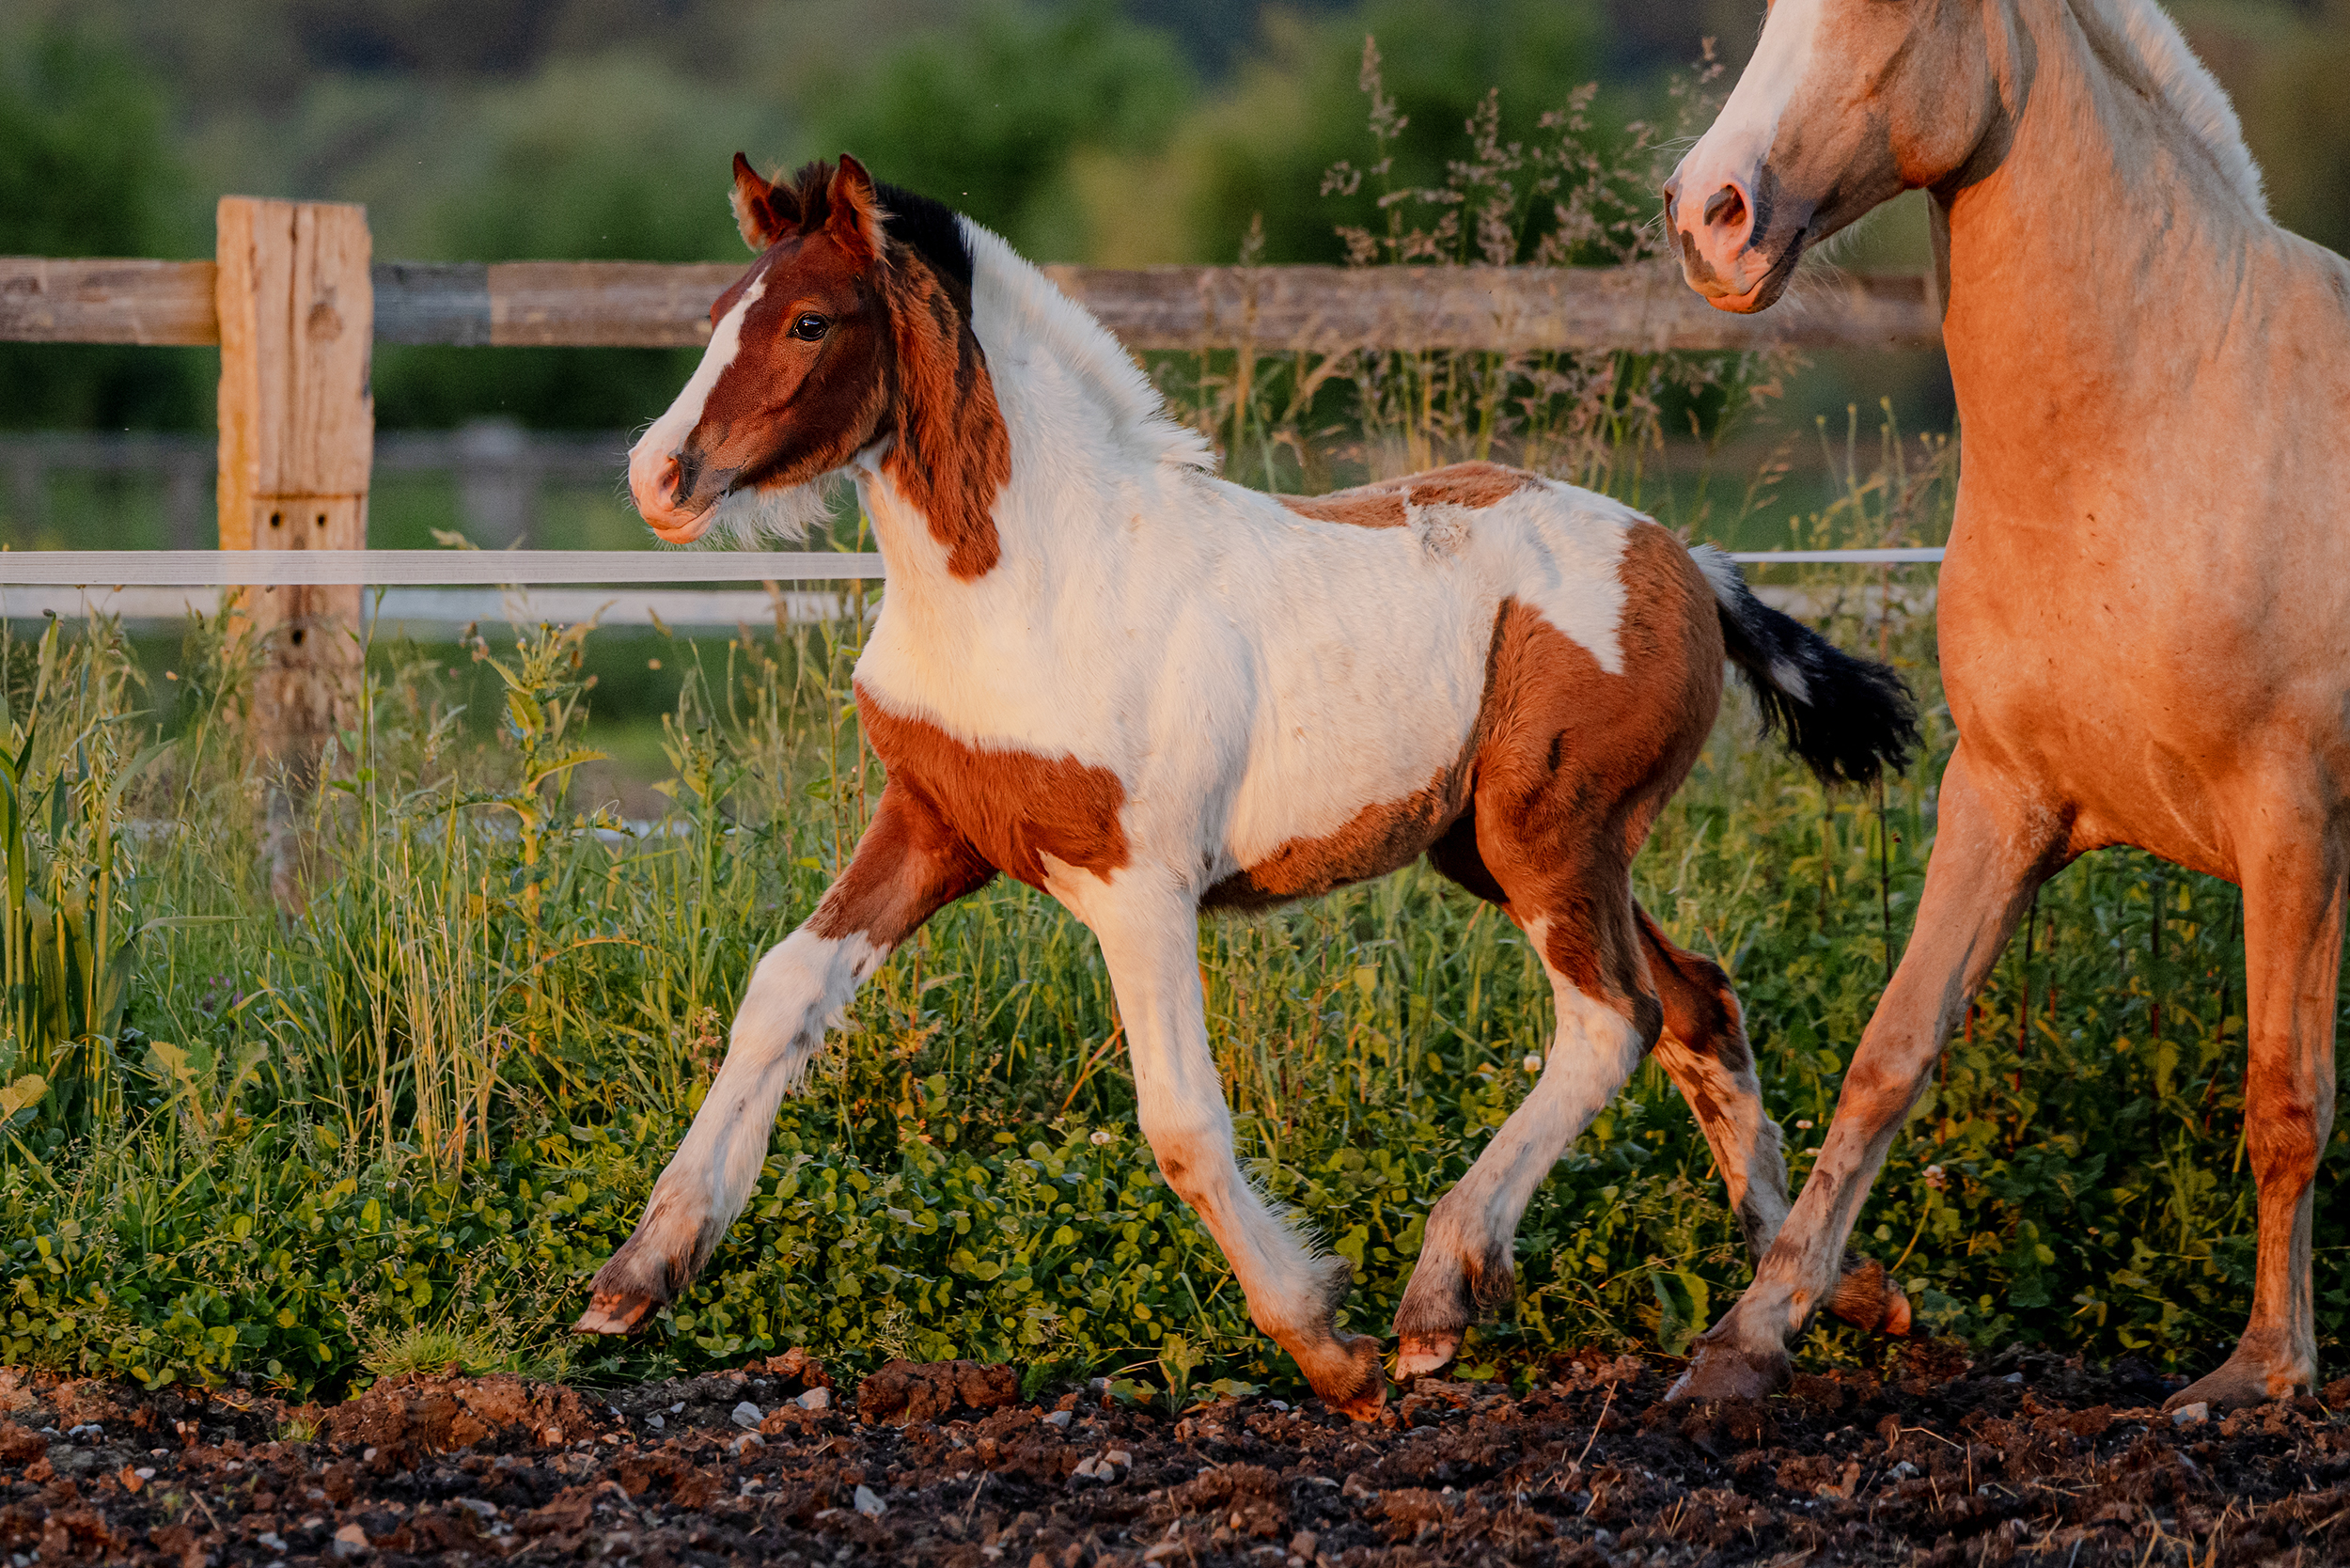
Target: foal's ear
765 212
852 212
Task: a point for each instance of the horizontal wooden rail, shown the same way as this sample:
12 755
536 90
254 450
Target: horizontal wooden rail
1276 309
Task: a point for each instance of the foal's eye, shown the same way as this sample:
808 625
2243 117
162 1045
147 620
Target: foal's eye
810 328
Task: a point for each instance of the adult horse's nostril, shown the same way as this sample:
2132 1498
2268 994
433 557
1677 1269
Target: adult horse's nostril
1726 208
671 479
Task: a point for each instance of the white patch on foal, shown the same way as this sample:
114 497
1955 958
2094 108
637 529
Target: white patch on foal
800 989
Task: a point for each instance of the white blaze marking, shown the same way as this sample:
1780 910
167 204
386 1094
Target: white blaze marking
668 433
1742 134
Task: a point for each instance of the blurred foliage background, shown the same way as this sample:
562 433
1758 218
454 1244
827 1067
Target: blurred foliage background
1115 131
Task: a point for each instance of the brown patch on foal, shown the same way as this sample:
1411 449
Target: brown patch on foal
952 456
1578 762
1366 508
1011 808
1386 504
910 864
1468 485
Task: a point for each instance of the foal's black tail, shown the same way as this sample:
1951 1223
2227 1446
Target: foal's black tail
1849 719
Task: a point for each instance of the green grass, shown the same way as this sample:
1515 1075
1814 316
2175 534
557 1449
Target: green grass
405 1124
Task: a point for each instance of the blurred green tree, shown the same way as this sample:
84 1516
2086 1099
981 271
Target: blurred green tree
84 171
610 158
985 116
1298 109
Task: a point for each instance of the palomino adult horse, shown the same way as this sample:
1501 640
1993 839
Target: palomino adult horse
1104 672
2145 613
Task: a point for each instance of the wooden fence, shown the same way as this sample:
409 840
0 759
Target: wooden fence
294 300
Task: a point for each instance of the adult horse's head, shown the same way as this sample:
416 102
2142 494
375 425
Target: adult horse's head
849 337
1845 104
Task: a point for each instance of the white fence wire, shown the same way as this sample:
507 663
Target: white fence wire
429 587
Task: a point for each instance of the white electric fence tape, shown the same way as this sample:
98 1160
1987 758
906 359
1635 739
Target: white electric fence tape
507 567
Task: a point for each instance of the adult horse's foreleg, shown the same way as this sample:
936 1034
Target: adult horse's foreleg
2293 927
1703 1049
1149 929
908 865
1996 844
1607 1019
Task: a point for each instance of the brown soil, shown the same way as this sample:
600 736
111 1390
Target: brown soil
2031 1458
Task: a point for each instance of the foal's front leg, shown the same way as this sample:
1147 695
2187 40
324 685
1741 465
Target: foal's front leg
908 865
1149 929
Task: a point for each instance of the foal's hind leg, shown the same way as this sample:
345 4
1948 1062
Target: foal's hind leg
907 865
1607 1017
1704 1050
2293 924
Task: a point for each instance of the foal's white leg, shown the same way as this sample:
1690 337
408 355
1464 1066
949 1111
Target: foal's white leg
1464 1257
1149 930
906 867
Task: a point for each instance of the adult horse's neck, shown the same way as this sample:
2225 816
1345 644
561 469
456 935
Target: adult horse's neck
2091 270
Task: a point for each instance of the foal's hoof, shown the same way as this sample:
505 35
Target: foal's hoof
614 1312
1867 1299
1424 1354
1357 1386
1719 1371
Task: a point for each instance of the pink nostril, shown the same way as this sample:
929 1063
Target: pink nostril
1726 208
665 487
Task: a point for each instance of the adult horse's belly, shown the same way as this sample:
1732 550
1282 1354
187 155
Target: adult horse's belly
2144 694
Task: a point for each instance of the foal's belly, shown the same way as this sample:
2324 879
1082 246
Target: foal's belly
1359 755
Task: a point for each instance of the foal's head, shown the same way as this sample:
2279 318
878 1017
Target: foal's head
850 334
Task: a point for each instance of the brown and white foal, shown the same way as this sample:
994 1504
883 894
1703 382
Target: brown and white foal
1106 673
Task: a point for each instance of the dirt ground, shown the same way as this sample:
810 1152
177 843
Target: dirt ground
2026 1459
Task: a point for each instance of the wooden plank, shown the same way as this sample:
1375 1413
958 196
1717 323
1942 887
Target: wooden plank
629 304
432 302
1504 309
296 307
1277 309
103 301
1283 310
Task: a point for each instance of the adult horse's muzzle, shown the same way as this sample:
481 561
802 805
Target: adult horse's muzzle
1723 234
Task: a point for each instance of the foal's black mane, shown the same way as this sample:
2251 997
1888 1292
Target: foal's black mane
929 229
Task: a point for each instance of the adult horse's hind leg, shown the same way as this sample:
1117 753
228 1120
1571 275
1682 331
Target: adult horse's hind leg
1149 928
2293 925
1704 1050
908 865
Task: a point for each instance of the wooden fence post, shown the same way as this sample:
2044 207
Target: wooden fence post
297 439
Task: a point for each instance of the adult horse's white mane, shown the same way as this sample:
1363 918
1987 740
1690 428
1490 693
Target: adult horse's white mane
2186 83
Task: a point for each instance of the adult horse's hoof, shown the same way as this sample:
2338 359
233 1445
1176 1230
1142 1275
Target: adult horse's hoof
1867 1299
2239 1381
1720 1372
1357 1386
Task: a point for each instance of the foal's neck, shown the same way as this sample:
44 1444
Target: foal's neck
1089 443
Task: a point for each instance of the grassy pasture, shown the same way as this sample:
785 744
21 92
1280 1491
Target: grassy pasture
403 1127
